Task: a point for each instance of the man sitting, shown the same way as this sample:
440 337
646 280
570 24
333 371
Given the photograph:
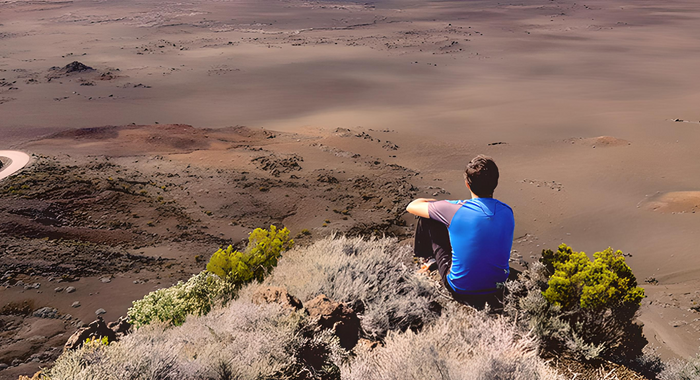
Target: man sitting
470 240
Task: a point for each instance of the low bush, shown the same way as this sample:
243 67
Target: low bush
240 341
459 345
197 296
227 271
261 255
582 307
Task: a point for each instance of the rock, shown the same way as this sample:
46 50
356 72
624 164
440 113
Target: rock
3 366
341 319
46 312
37 376
74 67
106 279
100 311
120 327
58 289
70 289
367 345
96 329
276 294
75 304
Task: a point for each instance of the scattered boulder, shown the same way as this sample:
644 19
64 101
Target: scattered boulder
277 165
100 311
70 289
276 294
340 318
46 312
327 179
73 67
96 329
106 279
75 304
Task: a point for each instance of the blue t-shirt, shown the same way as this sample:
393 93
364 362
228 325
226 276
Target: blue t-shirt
481 235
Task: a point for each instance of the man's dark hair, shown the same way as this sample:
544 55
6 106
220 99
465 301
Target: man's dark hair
482 175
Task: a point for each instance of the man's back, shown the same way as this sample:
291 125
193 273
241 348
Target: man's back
481 235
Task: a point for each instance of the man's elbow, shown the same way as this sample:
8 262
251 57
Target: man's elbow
413 207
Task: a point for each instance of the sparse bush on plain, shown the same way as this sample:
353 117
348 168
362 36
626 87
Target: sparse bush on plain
196 296
461 344
582 307
372 276
261 255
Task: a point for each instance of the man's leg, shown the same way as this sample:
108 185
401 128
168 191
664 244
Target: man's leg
433 240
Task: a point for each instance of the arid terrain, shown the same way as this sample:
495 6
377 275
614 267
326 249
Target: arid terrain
224 116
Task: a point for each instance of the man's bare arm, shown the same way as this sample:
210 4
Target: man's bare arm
419 207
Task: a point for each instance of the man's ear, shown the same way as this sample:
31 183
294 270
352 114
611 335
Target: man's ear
466 183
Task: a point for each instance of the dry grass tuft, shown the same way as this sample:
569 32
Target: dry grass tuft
367 274
462 344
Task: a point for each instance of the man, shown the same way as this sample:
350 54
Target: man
470 240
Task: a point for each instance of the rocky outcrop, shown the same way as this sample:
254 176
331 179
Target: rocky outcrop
338 317
276 294
98 329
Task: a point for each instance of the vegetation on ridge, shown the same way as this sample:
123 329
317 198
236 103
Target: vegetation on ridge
226 272
408 330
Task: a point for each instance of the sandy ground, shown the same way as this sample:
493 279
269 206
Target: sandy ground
589 109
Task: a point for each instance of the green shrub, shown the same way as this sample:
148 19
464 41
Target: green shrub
580 307
226 272
172 305
261 255
579 282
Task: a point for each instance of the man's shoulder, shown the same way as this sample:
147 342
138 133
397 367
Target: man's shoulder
504 205
456 201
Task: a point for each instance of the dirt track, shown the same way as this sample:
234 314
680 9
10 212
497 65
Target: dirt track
18 160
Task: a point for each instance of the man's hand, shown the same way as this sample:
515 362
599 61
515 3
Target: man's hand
419 207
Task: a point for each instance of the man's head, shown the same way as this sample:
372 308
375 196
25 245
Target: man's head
481 175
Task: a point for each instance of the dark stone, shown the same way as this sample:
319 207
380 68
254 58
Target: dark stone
76 67
339 318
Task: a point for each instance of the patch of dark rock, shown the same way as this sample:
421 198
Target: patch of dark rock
325 178
388 145
498 143
73 67
276 165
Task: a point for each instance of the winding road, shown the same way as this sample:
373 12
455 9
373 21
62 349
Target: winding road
18 160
